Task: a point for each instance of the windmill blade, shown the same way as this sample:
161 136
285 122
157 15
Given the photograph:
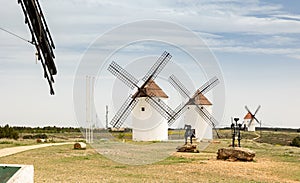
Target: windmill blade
179 87
123 112
161 107
210 120
177 113
158 66
209 85
40 33
252 118
44 22
256 119
248 110
123 75
256 110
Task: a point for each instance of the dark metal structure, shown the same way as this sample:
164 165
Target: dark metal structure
236 131
191 100
132 83
189 133
41 38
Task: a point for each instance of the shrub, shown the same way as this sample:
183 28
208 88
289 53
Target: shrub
121 135
27 137
296 142
37 136
40 136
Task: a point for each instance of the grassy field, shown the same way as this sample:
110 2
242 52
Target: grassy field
273 163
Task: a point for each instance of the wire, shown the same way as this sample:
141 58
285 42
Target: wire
11 33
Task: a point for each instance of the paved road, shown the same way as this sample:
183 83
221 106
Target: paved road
14 150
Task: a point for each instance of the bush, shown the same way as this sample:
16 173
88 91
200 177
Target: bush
296 142
40 136
27 137
37 136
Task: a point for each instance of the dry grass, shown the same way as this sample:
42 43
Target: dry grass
63 164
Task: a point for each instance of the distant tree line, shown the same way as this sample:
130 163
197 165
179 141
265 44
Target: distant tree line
13 132
46 129
8 132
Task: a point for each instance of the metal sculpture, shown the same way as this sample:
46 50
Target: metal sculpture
189 133
191 100
236 131
132 83
41 38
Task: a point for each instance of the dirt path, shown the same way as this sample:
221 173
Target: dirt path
14 150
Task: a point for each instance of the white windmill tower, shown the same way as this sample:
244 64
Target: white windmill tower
191 117
146 104
147 123
198 108
249 119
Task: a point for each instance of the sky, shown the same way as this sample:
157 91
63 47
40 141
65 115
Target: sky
255 43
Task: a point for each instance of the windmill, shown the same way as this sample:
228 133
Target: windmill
41 38
194 101
144 93
250 117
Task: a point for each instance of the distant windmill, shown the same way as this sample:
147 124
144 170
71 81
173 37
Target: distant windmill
197 102
249 119
148 93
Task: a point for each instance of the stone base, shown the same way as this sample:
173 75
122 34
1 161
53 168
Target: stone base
188 148
235 154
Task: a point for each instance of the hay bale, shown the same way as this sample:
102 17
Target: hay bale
79 145
236 154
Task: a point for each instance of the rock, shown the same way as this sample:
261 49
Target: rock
236 154
188 148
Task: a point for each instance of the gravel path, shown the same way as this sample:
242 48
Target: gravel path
14 150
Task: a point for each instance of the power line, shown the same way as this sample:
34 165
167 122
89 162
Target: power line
13 34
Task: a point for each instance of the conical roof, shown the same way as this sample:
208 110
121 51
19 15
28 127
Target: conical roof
151 89
200 99
248 116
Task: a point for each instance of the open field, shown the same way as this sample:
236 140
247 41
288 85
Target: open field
273 163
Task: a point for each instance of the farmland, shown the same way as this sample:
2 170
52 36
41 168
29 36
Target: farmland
274 162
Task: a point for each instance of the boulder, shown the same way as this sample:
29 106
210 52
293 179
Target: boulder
236 154
188 148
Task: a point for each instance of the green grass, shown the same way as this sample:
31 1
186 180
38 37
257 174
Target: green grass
62 163
273 163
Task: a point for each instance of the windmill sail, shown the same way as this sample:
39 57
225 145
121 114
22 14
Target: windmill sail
191 100
41 38
132 83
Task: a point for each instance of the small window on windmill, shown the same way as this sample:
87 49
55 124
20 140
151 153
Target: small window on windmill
142 108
